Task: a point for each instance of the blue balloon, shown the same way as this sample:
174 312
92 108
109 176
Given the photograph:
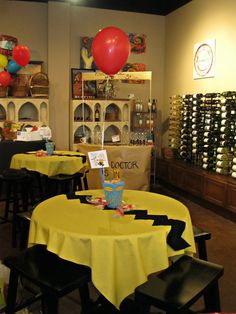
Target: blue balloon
13 67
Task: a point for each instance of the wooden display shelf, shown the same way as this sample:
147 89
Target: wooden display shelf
97 76
208 186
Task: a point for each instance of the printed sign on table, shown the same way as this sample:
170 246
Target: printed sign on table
98 159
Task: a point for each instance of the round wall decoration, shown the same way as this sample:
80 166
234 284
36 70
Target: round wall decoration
204 54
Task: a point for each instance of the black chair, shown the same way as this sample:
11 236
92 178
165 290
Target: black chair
21 227
59 184
80 181
17 189
53 276
63 184
179 286
18 192
200 237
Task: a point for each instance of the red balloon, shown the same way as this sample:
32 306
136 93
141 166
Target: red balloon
110 49
21 55
5 78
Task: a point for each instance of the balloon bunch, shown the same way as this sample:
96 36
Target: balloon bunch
11 64
110 50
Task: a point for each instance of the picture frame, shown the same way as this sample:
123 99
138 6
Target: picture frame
31 68
76 83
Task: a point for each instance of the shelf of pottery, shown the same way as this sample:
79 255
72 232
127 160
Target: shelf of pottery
33 111
102 120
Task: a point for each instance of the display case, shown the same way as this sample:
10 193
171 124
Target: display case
34 111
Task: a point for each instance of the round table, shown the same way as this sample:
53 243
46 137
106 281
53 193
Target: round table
61 162
121 251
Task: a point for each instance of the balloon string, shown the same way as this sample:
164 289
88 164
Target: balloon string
104 113
83 104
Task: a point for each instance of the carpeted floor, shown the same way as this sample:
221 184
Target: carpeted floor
221 250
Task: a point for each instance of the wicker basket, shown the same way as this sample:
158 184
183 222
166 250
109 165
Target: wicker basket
20 91
20 86
3 91
7 44
39 85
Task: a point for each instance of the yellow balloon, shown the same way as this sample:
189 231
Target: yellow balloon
3 61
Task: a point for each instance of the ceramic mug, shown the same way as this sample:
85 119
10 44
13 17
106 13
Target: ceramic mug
83 139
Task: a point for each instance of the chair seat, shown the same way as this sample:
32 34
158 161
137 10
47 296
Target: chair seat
48 271
180 285
54 277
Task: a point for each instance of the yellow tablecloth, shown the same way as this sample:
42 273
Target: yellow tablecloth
121 252
50 165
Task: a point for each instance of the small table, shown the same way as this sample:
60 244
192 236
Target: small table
121 252
61 162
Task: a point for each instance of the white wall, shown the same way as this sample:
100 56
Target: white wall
28 23
52 32
87 22
195 22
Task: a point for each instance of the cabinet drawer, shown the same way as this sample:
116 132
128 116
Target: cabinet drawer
176 176
231 197
215 191
193 183
162 170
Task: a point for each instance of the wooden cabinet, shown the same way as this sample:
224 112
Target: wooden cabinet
215 189
193 180
231 197
209 186
176 176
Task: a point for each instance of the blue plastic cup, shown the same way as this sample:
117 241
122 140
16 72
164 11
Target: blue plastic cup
49 148
113 193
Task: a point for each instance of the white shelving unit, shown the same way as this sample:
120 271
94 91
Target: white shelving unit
114 113
34 111
114 118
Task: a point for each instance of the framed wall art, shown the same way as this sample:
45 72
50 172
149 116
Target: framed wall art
137 42
86 58
76 83
133 67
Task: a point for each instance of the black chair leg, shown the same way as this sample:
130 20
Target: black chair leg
14 212
12 292
143 306
8 199
49 304
85 182
202 251
85 299
212 299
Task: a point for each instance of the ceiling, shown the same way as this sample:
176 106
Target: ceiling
158 7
